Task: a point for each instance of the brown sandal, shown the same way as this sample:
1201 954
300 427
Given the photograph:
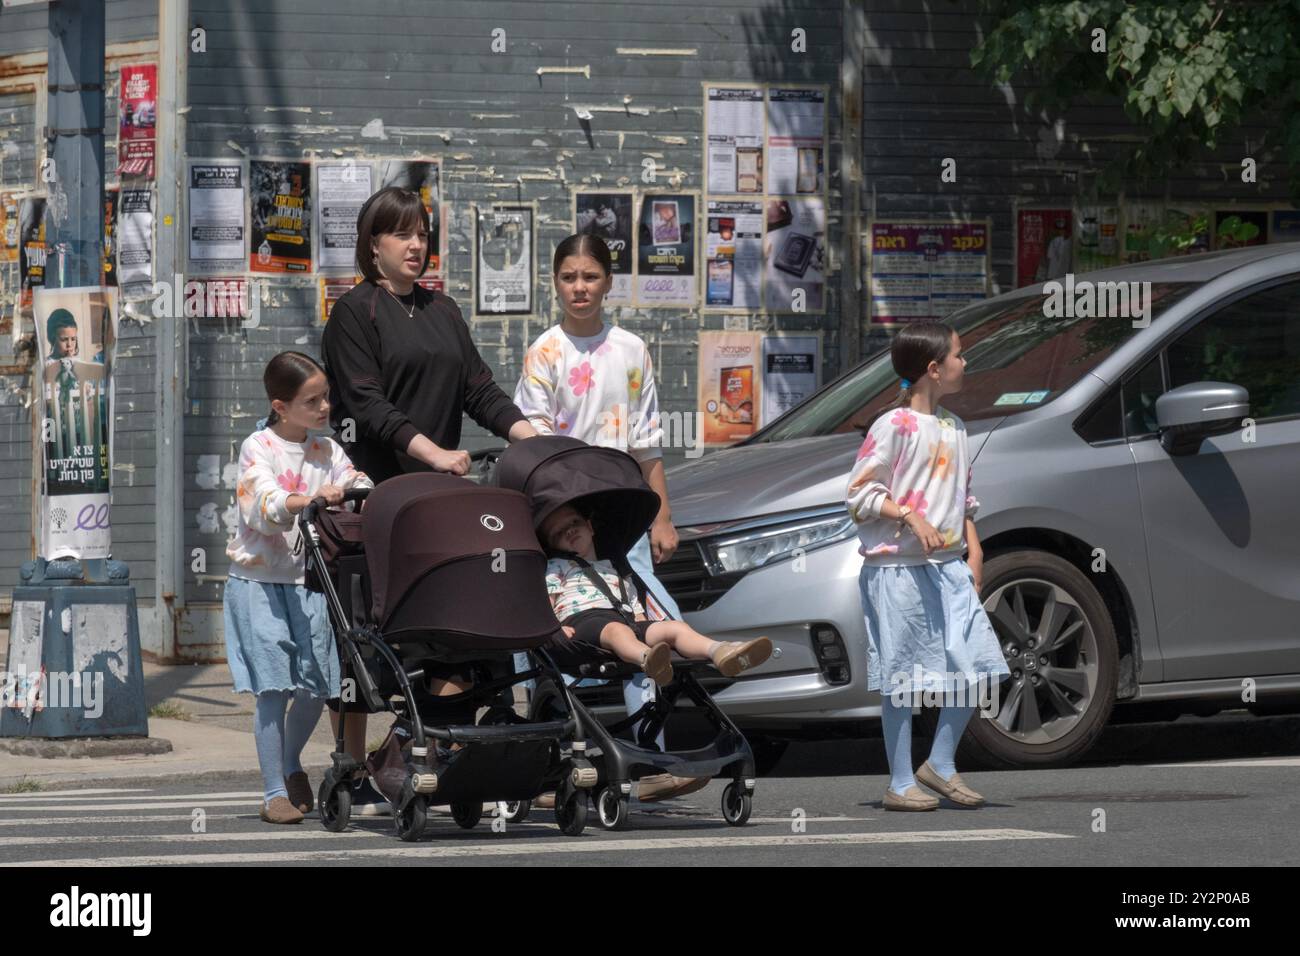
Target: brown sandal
733 657
657 664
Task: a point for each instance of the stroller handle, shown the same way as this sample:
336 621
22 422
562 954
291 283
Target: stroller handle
351 494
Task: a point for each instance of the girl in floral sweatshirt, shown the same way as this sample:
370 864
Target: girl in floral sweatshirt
929 637
279 642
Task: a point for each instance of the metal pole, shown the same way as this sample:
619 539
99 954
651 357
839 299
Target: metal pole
173 51
75 138
851 80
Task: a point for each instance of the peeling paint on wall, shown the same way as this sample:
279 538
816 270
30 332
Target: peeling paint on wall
581 70
655 51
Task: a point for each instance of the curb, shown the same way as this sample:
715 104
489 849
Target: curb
53 748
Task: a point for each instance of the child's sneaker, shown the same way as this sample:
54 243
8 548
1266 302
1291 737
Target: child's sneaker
369 802
733 657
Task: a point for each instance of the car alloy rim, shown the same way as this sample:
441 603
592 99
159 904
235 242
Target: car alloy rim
1051 651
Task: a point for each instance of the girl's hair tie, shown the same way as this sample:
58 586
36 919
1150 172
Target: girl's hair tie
906 383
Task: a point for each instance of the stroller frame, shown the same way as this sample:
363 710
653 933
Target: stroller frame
464 778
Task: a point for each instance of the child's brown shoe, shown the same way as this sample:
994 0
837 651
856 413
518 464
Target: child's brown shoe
733 657
913 799
300 794
657 664
954 788
280 810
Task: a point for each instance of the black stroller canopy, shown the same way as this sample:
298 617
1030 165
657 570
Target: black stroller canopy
445 554
558 470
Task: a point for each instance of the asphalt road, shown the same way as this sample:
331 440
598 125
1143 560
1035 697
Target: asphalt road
1215 791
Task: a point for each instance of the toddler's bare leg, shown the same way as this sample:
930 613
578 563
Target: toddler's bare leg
620 639
682 638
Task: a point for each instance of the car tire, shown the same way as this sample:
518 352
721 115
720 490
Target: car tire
1075 691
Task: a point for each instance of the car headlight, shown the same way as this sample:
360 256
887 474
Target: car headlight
745 552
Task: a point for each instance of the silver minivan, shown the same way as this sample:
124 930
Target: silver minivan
1140 515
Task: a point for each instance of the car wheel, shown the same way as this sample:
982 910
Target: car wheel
1059 642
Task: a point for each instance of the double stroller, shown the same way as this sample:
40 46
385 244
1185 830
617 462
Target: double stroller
436 576
606 483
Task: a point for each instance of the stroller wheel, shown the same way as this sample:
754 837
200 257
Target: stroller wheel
335 802
410 821
571 815
737 805
467 815
513 811
612 809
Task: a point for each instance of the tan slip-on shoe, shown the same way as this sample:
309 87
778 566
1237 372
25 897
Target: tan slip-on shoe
913 799
545 801
300 794
665 786
657 664
737 656
954 788
280 810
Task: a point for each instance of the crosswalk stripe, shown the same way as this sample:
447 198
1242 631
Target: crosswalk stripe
292 832
146 795
196 801
559 845
145 818
77 794
1234 764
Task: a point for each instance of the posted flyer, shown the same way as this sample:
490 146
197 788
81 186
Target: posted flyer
733 122
31 249
138 120
733 254
665 273
135 243
729 385
794 273
921 271
503 254
341 191
609 216
791 372
1043 245
216 216
280 216
76 331
796 140
1096 243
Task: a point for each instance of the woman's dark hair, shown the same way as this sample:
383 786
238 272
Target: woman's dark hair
913 349
59 319
583 245
389 210
284 377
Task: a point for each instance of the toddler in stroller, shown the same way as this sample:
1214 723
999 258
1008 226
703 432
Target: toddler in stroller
581 585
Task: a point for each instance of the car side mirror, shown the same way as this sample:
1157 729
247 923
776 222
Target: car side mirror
1187 415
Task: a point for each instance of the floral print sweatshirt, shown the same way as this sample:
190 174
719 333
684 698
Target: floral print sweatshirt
270 470
571 591
918 460
598 388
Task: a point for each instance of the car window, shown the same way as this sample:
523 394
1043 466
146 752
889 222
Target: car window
1016 359
1254 343
1106 420
1140 394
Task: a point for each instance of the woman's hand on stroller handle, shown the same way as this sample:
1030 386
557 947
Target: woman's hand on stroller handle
320 501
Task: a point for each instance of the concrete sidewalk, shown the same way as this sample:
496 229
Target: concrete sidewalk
210 728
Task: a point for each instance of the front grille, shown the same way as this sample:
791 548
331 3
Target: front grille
688 580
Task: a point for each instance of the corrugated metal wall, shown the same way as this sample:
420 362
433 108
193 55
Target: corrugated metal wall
307 78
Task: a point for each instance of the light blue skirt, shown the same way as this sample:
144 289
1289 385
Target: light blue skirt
279 637
927 631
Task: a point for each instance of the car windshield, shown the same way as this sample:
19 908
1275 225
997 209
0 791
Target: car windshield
1016 359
